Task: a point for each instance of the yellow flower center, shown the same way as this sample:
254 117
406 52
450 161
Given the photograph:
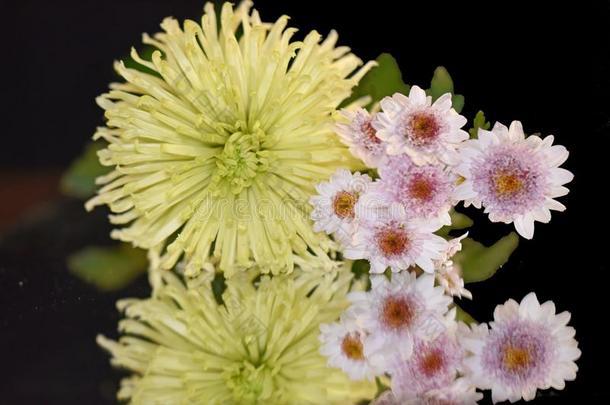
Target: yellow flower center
397 312
249 383
516 358
507 184
344 203
352 347
241 160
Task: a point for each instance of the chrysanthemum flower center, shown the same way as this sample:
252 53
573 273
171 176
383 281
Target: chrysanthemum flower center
392 241
344 203
516 358
370 132
247 382
352 347
397 312
241 160
421 188
507 183
519 352
423 128
431 362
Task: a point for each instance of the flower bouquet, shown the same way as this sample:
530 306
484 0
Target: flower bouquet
300 214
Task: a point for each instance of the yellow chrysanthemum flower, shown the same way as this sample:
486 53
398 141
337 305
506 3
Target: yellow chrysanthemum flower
260 346
217 153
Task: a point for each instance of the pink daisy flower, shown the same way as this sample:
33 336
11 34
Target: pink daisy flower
428 133
361 137
396 312
528 347
345 345
426 192
334 208
516 179
394 241
434 364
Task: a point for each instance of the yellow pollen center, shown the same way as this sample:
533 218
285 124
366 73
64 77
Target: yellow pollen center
516 358
507 184
397 312
393 242
344 203
351 346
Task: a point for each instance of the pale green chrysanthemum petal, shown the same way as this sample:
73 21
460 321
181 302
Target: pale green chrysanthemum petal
259 347
216 157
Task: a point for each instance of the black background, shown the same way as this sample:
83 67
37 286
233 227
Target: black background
546 65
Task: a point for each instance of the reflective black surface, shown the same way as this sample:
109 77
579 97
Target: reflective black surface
547 66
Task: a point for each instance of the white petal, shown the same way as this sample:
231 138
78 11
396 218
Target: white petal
530 306
554 205
443 103
516 131
558 191
500 128
417 96
557 155
561 176
542 214
525 226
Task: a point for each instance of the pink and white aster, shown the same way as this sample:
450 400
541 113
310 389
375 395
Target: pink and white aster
528 347
392 240
436 360
361 137
345 345
427 132
397 312
334 208
426 192
515 178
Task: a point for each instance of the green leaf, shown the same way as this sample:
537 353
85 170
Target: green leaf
383 384
442 83
464 316
457 101
478 122
460 221
108 268
381 81
79 180
479 262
